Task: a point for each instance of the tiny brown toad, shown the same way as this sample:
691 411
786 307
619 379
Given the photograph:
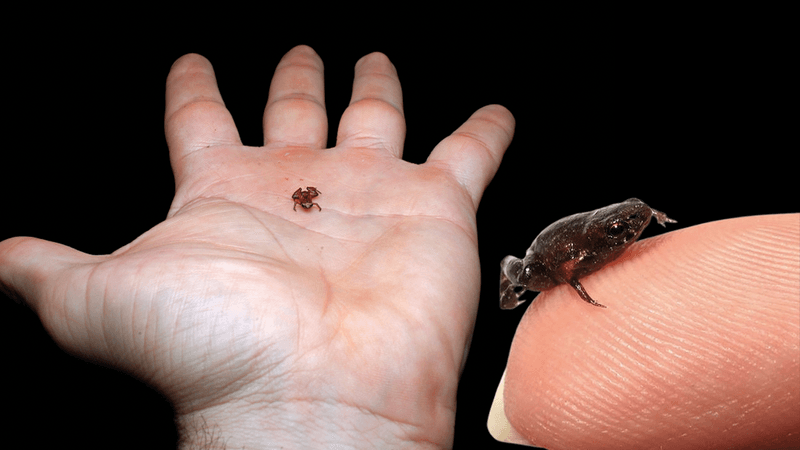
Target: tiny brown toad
303 198
574 247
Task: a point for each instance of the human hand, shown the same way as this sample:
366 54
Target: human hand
264 324
699 347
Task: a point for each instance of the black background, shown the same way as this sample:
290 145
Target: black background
688 114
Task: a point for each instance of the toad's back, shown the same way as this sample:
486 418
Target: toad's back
574 247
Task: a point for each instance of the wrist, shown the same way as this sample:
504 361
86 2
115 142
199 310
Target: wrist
300 424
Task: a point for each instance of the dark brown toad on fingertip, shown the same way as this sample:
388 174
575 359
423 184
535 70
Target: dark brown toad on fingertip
574 247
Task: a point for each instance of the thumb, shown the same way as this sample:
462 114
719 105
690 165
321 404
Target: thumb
699 346
37 272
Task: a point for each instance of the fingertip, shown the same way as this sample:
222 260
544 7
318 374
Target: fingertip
302 55
701 304
502 115
375 58
502 125
189 60
190 78
187 65
9 248
302 49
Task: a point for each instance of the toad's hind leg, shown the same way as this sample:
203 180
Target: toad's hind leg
582 292
509 285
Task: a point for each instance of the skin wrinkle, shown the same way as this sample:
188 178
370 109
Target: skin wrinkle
383 416
178 160
687 364
771 239
763 254
369 143
371 100
270 233
465 175
357 138
477 143
357 260
719 357
104 331
637 325
685 347
742 251
238 206
724 272
198 100
617 398
604 401
307 63
633 369
670 350
218 184
89 313
406 218
300 97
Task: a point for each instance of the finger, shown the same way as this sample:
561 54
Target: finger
374 118
698 346
473 152
29 267
196 117
295 113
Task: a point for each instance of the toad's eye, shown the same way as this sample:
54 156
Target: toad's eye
617 229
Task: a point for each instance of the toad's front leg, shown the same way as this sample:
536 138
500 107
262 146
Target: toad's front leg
576 284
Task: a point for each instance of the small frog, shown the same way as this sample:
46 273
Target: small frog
303 198
574 247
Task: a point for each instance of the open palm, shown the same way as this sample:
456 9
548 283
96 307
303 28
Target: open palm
263 322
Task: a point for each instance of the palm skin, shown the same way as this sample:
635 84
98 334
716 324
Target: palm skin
262 322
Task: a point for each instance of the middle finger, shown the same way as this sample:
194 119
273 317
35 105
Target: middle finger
295 114
375 117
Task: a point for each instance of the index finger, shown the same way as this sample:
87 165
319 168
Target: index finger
472 154
295 113
702 325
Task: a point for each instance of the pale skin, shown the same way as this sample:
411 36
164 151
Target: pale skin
699 348
268 327
263 324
